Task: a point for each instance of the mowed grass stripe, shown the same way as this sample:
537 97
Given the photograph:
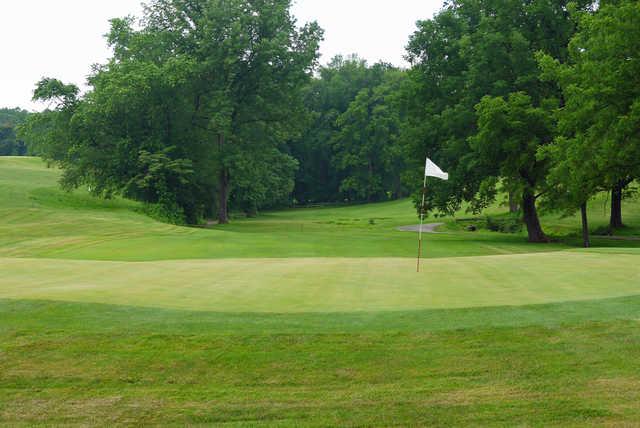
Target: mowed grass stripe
327 284
86 364
19 317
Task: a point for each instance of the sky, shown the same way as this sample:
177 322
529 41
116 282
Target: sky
63 38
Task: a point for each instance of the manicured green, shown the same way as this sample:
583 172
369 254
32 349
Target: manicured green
328 284
308 317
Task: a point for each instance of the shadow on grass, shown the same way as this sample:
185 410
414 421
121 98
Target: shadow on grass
80 200
26 315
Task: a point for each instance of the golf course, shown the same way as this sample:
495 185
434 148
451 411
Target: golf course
310 316
304 213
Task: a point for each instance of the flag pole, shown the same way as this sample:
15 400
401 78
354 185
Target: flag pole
424 194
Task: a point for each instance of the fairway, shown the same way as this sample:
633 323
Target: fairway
309 317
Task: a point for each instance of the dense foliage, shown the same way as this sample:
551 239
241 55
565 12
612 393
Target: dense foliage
598 141
10 144
479 106
350 150
197 94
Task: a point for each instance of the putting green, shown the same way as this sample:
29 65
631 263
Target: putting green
327 284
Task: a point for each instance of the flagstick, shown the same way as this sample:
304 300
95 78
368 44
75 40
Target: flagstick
424 193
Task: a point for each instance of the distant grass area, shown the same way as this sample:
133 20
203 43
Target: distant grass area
307 317
40 220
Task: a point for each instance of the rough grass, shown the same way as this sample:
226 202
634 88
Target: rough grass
310 317
568 364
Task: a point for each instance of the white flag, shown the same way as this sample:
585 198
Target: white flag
433 170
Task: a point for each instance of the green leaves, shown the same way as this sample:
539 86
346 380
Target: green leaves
366 147
599 142
480 105
349 150
53 90
194 87
10 122
510 131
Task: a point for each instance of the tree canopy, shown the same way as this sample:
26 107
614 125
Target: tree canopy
479 106
598 142
195 95
349 150
10 143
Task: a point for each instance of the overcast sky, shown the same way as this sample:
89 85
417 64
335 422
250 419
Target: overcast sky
62 38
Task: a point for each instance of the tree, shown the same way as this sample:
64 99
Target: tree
572 180
327 97
365 147
247 63
349 150
510 133
199 85
600 81
10 121
263 180
470 50
48 133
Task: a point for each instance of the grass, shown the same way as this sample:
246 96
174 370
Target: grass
327 284
567 364
310 317
44 222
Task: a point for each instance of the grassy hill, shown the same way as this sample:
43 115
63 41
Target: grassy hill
309 317
41 220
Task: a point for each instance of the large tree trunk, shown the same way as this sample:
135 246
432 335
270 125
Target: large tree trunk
616 206
530 217
585 226
223 188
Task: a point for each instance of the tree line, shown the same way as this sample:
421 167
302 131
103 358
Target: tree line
10 144
211 106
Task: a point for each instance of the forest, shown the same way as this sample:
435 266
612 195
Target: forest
10 144
208 108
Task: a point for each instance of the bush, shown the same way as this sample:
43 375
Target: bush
166 213
504 225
